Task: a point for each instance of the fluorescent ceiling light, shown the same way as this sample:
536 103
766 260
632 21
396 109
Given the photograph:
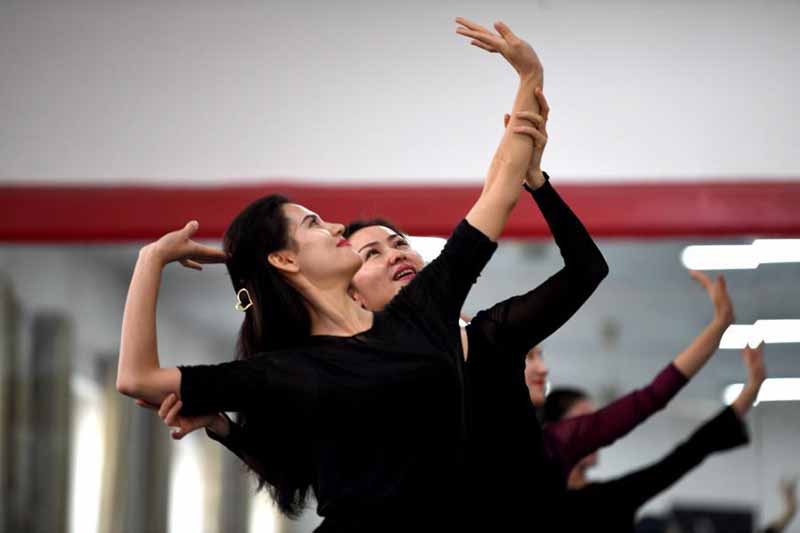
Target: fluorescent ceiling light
741 256
770 331
772 390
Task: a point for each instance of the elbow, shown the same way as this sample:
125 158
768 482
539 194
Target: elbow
601 269
126 386
591 275
597 271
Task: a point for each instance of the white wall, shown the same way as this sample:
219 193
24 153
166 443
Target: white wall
109 91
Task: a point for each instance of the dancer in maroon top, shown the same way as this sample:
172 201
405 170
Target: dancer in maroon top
612 505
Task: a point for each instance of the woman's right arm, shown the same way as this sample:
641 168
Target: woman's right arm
691 360
503 181
441 288
139 373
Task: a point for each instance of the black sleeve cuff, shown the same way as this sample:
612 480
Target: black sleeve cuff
545 184
723 432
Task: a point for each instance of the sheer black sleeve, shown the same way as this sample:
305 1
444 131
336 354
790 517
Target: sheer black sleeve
237 440
514 326
439 290
723 432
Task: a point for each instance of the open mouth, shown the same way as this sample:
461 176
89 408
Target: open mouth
404 273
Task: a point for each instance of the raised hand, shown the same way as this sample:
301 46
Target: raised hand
169 409
538 132
179 246
718 293
754 361
756 373
789 493
516 51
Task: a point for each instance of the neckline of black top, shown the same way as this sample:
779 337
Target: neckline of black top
316 339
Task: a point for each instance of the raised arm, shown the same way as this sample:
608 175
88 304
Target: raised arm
723 432
504 179
691 360
571 439
514 326
789 493
139 373
756 373
443 285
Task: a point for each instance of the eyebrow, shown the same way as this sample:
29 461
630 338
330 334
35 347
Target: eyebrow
373 243
390 239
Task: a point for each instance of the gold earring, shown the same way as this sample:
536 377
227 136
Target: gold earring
239 305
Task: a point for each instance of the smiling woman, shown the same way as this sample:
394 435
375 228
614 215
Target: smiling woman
389 262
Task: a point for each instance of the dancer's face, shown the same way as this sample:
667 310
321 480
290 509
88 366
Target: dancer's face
389 264
317 251
580 408
536 375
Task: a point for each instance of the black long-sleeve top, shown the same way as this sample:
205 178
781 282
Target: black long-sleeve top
379 417
512 467
612 505
510 463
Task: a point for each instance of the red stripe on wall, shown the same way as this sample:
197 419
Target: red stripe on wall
117 214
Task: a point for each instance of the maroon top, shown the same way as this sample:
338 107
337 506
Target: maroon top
571 439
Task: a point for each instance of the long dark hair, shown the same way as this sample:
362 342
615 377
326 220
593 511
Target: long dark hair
559 401
278 319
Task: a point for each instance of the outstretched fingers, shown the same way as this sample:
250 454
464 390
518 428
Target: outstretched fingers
479 44
471 25
504 31
488 39
201 253
194 265
701 278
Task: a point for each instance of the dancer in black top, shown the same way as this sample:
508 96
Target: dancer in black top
612 505
367 409
504 427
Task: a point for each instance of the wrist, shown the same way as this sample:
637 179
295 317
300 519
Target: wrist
151 254
721 323
533 78
219 426
535 179
754 386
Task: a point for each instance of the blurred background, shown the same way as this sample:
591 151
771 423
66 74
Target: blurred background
672 125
